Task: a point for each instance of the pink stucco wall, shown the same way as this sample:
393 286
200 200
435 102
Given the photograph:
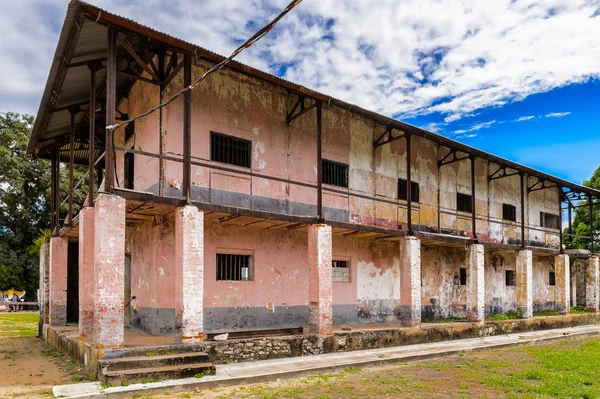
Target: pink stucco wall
248 108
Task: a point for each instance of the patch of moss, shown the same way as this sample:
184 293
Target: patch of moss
546 313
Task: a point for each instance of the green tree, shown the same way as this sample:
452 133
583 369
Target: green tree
24 204
24 194
581 221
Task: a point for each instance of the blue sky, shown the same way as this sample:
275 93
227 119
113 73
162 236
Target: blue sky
518 78
557 131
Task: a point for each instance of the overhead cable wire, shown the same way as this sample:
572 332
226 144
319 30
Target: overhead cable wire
256 37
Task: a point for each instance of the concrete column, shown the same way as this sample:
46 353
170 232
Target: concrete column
44 292
410 280
475 283
59 249
320 293
563 284
573 287
525 283
87 277
189 273
109 268
592 295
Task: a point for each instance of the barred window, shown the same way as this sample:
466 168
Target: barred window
402 191
463 203
509 212
231 267
340 271
511 278
335 173
231 150
548 220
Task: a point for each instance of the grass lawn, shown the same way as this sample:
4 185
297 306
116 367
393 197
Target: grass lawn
19 324
561 369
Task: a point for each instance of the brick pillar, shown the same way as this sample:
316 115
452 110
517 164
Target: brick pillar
525 283
592 295
109 269
475 283
44 293
87 279
320 293
563 284
189 273
573 287
410 280
59 249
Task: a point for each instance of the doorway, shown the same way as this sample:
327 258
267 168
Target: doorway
73 283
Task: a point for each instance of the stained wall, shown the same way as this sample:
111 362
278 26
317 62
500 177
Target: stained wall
282 176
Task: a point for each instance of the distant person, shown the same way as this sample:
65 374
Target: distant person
15 300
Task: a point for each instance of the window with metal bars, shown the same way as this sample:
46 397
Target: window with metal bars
548 220
231 150
511 278
340 271
509 212
414 190
463 203
232 267
335 173
463 276
552 279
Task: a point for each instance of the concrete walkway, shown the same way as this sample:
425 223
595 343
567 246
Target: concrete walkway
270 370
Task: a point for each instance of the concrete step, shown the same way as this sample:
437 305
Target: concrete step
158 374
137 362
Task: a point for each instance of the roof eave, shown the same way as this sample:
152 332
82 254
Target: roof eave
76 6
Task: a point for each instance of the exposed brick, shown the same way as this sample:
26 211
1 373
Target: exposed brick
524 289
189 273
59 249
320 293
563 284
592 281
475 283
86 272
44 292
109 268
410 280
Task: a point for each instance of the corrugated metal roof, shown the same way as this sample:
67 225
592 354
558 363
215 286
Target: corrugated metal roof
92 41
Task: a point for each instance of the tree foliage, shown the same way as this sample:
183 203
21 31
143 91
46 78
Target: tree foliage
581 221
24 195
24 204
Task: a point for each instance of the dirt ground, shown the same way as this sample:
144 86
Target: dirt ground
560 369
28 367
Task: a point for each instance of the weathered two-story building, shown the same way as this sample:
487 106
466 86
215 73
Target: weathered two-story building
255 204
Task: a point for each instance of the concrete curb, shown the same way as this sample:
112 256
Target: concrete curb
270 370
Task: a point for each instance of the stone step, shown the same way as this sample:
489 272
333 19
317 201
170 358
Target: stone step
136 362
157 374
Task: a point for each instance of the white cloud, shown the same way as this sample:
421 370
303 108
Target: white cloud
557 114
399 58
525 118
474 128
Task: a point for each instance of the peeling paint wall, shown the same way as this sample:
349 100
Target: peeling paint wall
544 295
499 298
245 107
373 293
442 294
151 245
